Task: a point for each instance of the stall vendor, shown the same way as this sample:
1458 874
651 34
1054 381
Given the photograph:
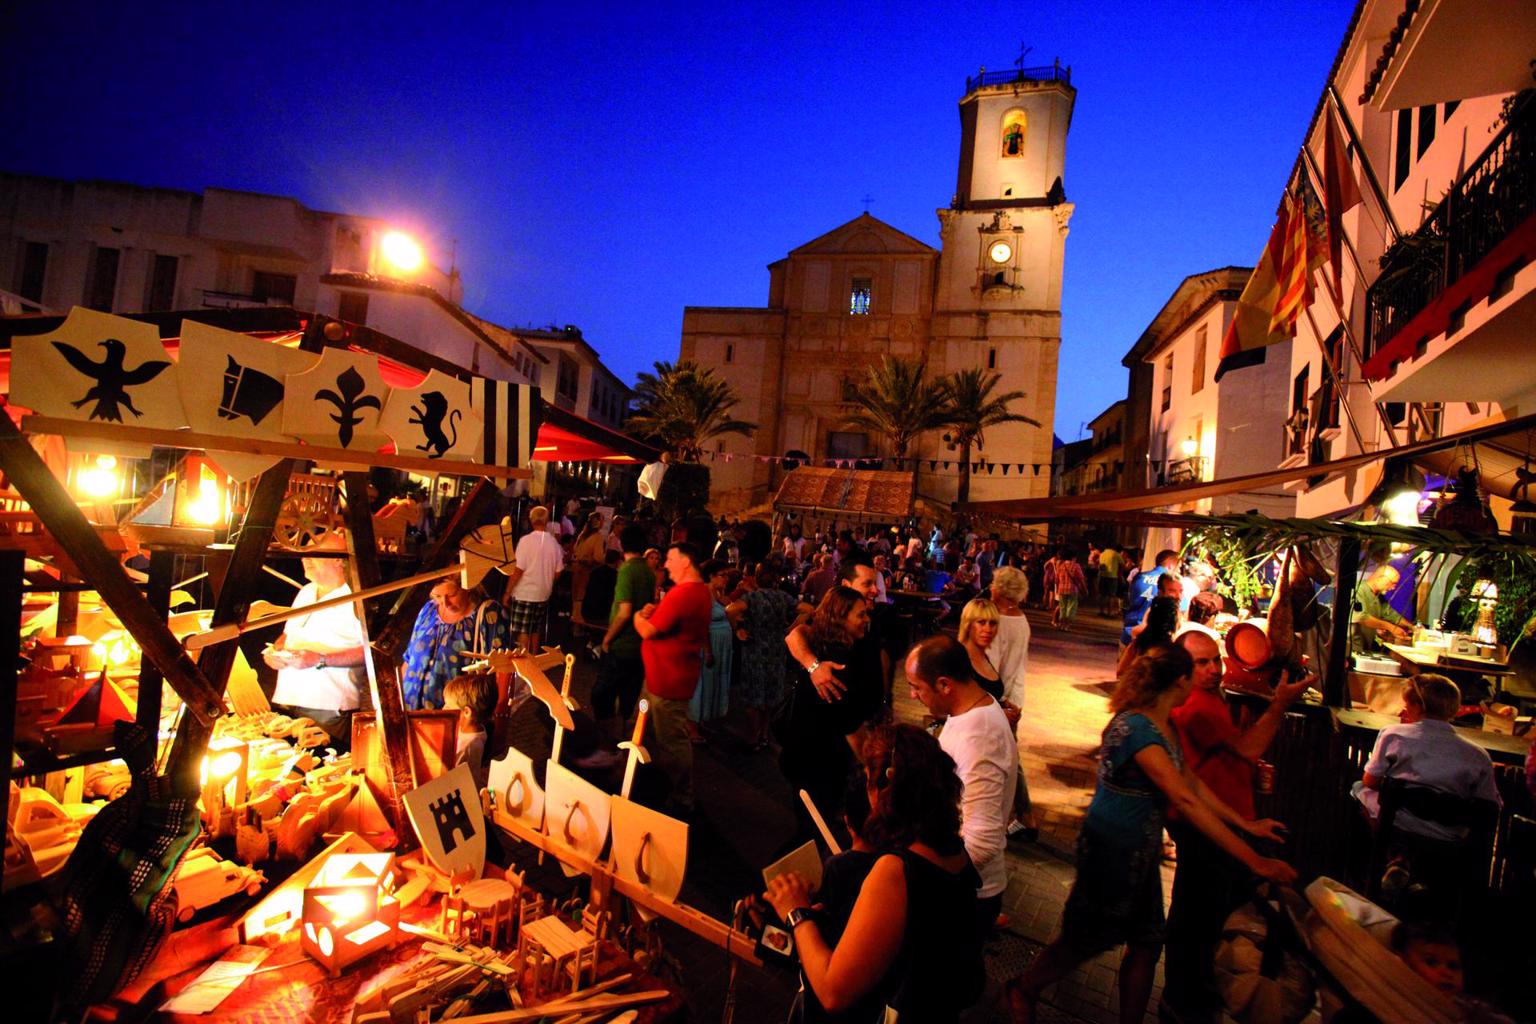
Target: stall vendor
1374 619
317 655
453 622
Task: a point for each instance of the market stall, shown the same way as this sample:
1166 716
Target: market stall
152 491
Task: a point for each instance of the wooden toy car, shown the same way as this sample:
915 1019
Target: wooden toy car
204 879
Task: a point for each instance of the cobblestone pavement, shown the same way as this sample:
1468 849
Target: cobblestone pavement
745 812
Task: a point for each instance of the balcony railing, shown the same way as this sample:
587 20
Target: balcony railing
1183 471
1049 73
1485 205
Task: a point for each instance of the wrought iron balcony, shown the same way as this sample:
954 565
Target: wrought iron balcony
1184 471
1487 203
1049 73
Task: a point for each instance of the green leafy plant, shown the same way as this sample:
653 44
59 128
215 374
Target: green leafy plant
1235 559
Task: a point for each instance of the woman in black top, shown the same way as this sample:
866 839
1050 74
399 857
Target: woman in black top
911 939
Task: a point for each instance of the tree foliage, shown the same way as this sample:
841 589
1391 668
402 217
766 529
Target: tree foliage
683 406
897 401
972 407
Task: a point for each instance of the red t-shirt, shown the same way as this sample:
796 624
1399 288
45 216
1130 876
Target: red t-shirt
1205 729
673 656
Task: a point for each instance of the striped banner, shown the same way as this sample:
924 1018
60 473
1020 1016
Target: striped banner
511 413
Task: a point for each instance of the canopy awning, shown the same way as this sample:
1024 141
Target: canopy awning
856 493
1513 433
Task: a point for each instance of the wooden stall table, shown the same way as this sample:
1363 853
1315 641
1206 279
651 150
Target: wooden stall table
1501 748
1417 660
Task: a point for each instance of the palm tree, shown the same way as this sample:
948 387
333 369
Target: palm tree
683 406
972 409
897 400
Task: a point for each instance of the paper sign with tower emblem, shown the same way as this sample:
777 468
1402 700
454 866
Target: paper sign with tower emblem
232 384
649 847
99 367
450 823
575 812
337 403
517 793
434 420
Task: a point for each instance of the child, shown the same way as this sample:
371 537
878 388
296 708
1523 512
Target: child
1431 952
474 697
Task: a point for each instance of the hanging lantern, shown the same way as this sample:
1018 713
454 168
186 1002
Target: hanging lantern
1466 510
350 910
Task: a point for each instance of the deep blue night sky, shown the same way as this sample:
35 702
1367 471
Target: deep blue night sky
606 165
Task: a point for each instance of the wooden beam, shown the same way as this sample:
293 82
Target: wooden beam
361 544
701 924
395 632
239 587
12 564
162 566
394 724
62 518
184 439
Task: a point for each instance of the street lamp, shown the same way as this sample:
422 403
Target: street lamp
401 251
1190 447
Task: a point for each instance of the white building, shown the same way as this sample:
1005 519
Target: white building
1198 428
575 378
1439 324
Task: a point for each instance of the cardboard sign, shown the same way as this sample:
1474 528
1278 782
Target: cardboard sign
234 384
576 813
100 367
516 791
649 847
450 823
434 420
337 403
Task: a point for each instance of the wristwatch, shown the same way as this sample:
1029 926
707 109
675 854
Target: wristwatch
321 662
795 918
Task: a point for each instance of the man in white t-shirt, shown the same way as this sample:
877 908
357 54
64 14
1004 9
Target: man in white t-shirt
539 560
316 653
977 735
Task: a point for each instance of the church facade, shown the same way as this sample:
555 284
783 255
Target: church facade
989 297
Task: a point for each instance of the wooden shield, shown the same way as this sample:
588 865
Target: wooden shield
516 791
649 847
337 403
434 420
98 367
575 812
234 384
449 822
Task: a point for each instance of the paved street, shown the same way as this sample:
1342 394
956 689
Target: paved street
745 813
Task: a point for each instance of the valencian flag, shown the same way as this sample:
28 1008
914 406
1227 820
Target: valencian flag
511 414
1280 287
1340 191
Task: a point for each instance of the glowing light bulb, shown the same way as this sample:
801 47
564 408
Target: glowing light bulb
99 481
401 251
1402 508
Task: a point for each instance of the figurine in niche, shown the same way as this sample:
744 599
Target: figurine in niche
110 392
431 416
249 393
349 399
1013 138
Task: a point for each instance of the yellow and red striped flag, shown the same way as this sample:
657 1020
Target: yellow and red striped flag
1291 271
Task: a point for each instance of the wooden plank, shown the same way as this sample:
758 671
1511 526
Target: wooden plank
62 518
395 632
241 576
701 924
1336 680
393 724
12 566
162 566
361 544
185 439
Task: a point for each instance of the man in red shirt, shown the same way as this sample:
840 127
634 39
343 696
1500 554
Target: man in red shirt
673 636
1207 883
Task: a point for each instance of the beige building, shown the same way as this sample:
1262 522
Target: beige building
990 296
1436 332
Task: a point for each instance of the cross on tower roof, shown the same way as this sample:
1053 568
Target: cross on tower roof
1023 53
866 201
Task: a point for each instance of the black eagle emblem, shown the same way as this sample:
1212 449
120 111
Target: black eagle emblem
110 392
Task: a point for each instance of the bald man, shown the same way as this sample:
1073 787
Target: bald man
1207 883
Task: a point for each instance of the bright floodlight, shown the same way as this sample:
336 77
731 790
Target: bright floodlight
401 251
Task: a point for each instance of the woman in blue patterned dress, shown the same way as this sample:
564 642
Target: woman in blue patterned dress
762 618
453 621
712 697
1118 895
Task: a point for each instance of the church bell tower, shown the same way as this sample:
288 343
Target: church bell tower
998 297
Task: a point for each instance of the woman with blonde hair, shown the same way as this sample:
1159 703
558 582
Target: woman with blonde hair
1010 654
1117 897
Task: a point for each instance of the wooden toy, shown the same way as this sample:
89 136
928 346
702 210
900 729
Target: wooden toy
203 879
283 907
448 819
349 909
511 783
482 912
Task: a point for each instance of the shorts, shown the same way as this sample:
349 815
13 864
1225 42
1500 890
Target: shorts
1068 605
526 617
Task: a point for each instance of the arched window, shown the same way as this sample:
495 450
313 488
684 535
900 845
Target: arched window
1013 133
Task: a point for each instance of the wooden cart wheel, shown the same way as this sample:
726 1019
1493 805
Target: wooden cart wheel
299 525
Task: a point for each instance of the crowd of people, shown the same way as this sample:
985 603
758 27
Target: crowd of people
803 638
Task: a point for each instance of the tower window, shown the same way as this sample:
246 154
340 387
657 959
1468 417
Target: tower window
991 358
730 352
32 271
1197 381
858 297
1013 133
101 286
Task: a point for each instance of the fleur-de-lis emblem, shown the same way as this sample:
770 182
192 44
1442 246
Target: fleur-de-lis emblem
351 399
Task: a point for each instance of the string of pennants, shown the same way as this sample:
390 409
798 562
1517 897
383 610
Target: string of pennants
933 465
110 369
